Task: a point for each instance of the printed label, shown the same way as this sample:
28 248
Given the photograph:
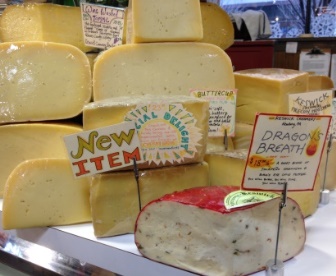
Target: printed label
167 132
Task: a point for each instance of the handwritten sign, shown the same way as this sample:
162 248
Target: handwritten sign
285 148
102 25
222 110
104 149
311 103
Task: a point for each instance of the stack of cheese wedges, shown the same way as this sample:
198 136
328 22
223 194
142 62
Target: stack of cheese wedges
154 74
45 80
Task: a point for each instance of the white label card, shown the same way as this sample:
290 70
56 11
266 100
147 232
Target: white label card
102 25
285 149
103 149
222 110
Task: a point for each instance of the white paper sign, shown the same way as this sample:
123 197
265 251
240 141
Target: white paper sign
333 69
285 148
102 25
318 64
103 149
222 108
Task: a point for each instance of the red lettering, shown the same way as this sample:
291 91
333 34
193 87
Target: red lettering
98 162
128 157
111 159
81 167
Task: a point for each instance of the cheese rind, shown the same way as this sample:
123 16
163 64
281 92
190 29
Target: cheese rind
217 26
114 198
43 192
20 142
192 230
43 22
42 81
161 69
266 90
171 130
166 21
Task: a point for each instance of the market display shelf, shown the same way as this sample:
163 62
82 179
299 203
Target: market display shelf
120 255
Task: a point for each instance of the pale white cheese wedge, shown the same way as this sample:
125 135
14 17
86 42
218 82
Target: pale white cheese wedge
172 130
42 81
161 69
165 21
227 168
266 90
43 192
43 22
114 197
192 230
20 142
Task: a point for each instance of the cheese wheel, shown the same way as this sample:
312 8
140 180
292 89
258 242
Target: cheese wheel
160 69
114 198
42 81
165 21
20 142
171 130
43 192
194 231
227 168
43 22
217 26
266 90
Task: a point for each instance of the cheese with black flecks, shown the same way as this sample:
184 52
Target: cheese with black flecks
161 69
114 198
20 142
43 22
165 21
42 81
43 192
194 231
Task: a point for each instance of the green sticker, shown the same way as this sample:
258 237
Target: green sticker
243 198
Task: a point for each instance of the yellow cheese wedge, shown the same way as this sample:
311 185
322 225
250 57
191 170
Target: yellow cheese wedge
42 81
166 21
161 69
20 142
327 170
114 197
316 83
227 169
217 26
173 130
266 90
243 136
43 22
43 192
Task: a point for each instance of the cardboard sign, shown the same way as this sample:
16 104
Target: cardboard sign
285 149
222 110
102 25
104 149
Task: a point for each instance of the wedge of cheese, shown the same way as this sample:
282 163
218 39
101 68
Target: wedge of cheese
316 83
193 230
161 69
20 142
115 201
217 26
227 168
165 21
43 22
243 136
43 192
266 90
42 81
171 130
327 170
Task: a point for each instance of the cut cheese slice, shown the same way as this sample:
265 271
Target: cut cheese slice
166 21
217 26
43 192
227 168
266 90
43 22
20 142
171 130
161 69
317 83
243 136
194 231
114 197
42 81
